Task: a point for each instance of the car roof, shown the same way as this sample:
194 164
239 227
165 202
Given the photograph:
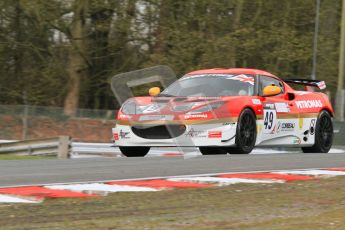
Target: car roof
232 71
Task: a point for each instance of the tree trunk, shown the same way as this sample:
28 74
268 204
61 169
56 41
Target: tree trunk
235 26
76 60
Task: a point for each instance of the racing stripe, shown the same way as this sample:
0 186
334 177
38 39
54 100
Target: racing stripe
184 122
211 121
296 115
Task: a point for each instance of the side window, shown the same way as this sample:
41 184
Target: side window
267 81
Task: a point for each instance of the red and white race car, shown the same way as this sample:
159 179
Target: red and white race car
227 111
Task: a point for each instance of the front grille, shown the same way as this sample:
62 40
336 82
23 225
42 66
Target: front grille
159 131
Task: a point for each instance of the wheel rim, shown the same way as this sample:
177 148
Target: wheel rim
326 131
247 130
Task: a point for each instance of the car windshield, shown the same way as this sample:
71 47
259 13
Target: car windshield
212 85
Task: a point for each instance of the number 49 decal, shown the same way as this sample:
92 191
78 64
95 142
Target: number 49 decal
270 120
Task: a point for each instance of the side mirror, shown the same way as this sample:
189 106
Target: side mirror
271 90
154 91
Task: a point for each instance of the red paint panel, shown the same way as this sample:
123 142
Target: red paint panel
214 134
171 154
160 184
336 169
273 176
41 192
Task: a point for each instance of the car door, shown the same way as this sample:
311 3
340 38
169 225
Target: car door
278 123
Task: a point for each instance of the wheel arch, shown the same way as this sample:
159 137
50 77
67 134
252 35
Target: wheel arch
331 113
251 109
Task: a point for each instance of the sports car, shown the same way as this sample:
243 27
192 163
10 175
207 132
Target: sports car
224 111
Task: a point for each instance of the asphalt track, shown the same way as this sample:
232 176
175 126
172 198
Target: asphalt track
38 172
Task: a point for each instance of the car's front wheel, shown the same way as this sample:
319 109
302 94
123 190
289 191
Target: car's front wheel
245 133
134 151
323 134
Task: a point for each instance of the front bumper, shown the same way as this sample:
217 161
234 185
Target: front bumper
192 135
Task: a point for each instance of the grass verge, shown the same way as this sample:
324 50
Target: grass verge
318 204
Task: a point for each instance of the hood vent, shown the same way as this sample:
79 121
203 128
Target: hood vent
180 99
160 100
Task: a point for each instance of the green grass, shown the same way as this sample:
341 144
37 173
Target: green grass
318 204
26 157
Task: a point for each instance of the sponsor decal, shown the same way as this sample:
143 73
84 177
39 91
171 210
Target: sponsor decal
301 93
243 78
124 135
125 116
285 127
214 134
202 115
195 133
308 104
288 126
156 118
282 107
269 106
256 101
297 141
229 123
116 136
270 119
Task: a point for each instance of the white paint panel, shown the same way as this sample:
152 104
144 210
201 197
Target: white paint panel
99 187
282 107
315 172
223 181
12 199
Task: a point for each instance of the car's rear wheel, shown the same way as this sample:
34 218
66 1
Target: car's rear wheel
245 133
212 151
134 151
323 134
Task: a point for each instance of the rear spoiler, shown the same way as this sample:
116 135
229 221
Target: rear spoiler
306 83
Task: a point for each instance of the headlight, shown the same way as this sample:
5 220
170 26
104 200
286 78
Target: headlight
207 108
129 107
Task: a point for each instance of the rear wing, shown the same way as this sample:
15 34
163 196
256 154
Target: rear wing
306 83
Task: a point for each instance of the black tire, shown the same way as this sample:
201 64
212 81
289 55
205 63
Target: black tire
245 133
212 151
134 151
323 134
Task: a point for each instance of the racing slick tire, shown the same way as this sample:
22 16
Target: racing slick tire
245 133
323 134
134 151
212 151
